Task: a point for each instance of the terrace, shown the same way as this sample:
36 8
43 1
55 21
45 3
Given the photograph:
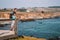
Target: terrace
6 33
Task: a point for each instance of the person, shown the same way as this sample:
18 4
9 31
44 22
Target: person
13 18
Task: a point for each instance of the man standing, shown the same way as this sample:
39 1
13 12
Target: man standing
13 18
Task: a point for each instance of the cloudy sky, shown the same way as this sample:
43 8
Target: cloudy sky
28 3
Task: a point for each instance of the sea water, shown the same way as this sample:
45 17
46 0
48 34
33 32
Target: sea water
45 28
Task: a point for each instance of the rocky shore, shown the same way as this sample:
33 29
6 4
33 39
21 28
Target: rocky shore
27 38
30 15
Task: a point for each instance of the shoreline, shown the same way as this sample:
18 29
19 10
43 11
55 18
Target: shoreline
26 38
31 15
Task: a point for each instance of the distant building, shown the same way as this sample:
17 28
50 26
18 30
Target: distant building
9 9
39 9
29 10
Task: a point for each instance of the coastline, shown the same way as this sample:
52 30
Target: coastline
27 38
31 15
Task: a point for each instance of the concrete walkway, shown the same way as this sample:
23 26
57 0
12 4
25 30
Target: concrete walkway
6 33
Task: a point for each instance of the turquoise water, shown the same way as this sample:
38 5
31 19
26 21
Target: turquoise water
40 28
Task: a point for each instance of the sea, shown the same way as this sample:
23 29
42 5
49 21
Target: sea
45 28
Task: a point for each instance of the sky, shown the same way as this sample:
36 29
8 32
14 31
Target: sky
28 3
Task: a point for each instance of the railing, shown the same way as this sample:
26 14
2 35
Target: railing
4 21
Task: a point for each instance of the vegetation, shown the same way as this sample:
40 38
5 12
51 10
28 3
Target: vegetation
22 9
8 10
54 7
5 10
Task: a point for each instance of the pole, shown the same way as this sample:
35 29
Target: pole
15 27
